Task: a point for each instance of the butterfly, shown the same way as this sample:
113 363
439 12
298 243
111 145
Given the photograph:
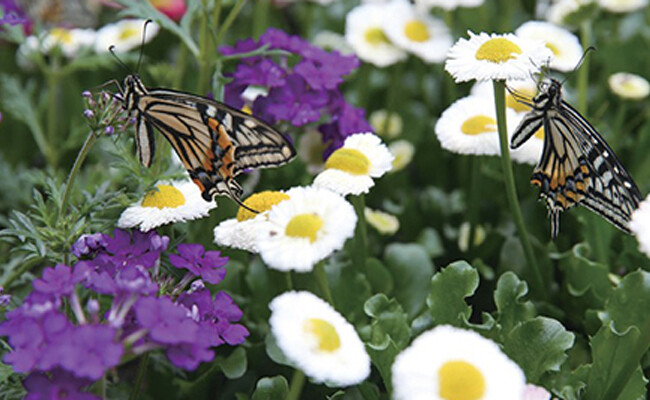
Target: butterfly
215 142
576 166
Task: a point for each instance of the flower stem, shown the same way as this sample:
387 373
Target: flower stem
53 87
260 17
142 369
288 280
511 191
81 156
473 200
230 19
295 388
583 71
360 250
321 281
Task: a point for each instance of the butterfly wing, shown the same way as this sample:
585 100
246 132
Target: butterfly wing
214 142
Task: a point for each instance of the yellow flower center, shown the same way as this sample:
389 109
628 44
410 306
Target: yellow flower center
160 3
553 48
416 31
460 380
304 226
479 124
262 201
349 160
540 133
247 109
497 50
61 35
325 334
511 102
163 196
376 36
128 32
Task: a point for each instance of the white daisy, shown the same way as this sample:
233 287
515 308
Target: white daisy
495 57
365 33
124 35
640 225
447 5
177 201
329 41
419 33
351 168
629 86
318 340
311 149
383 222
469 126
386 124
452 363
463 236
70 41
622 6
305 229
241 232
568 12
403 151
565 46
524 88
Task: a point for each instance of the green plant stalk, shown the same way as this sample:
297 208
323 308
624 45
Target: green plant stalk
360 249
473 199
230 19
583 71
260 17
288 280
181 64
321 281
53 88
204 61
142 369
81 156
511 191
297 383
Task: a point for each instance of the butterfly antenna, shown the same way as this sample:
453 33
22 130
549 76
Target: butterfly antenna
111 49
579 63
144 36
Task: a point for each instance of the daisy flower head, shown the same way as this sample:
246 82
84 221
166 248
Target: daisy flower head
640 225
311 149
629 86
469 126
241 232
70 41
622 6
495 57
419 33
364 30
318 340
383 222
565 46
177 201
570 13
350 169
124 35
518 94
305 229
386 124
403 151
447 5
453 363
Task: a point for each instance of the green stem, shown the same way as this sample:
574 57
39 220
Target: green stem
230 19
204 40
53 87
260 17
297 383
18 272
289 280
321 281
181 64
511 191
360 252
142 369
81 156
583 71
473 199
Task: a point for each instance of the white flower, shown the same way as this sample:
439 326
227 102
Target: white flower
177 201
565 45
70 41
403 151
525 88
124 35
318 340
622 6
419 33
351 168
463 236
241 232
364 30
469 126
629 86
386 124
329 40
452 363
305 229
495 57
532 392
640 225
310 150
385 223
447 4
562 11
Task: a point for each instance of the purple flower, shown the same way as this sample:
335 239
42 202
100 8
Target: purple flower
262 73
190 354
322 77
13 14
293 102
57 281
166 322
206 264
88 245
138 248
135 279
59 385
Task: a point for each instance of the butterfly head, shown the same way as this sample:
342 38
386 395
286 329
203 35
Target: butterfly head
133 89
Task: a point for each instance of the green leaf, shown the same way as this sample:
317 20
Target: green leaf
538 346
275 388
380 279
234 366
430 239
350 288
383 359
389 319
274 352
508 297
412 269
585 278
636 387
449 288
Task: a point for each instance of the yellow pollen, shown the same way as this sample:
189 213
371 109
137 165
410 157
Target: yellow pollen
61 35
518 106
349 160
128 33
163 196
497 50
540 133
460 380
376 36
262 201
553 48
325 334
416 31
479 124
247 109
304 226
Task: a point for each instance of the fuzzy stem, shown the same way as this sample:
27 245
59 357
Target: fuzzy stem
473 200
53 87
297 383
511 191
583 71
18 272
81 156
230 19
321 281
360 252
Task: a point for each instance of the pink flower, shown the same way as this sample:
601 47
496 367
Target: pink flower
174 9
532 392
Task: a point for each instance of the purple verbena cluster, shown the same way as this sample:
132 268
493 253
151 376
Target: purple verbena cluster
12 14
301 91
147 312
105 114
